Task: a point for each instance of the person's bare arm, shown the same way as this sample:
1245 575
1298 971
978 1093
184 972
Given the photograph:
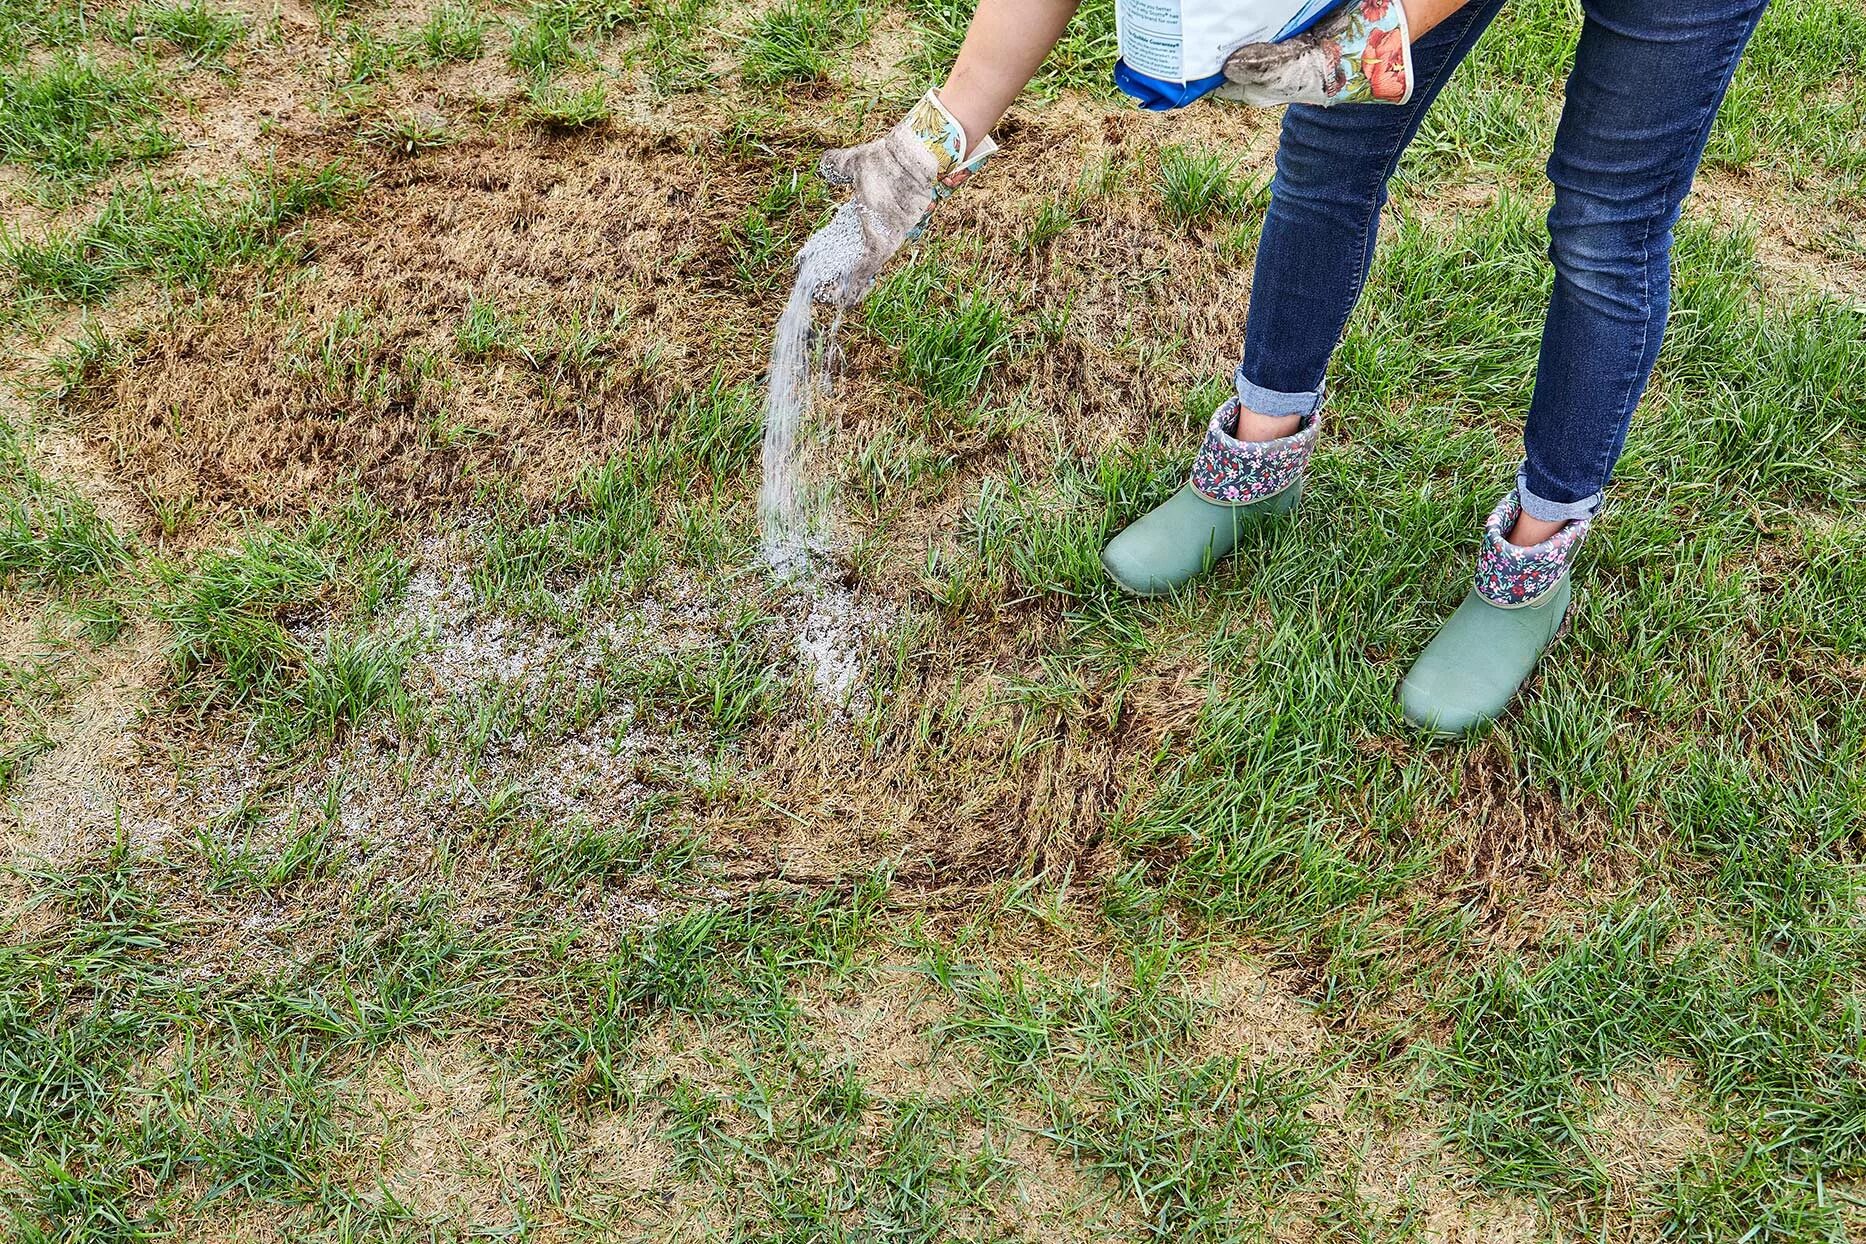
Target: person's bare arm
1422 15
1005 43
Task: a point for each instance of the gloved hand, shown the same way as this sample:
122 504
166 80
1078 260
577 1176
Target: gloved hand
896 179
1363 53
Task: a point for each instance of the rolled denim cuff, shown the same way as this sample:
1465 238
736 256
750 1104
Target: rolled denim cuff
1554 511
1273 403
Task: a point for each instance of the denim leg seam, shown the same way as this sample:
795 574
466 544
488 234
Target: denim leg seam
1645 339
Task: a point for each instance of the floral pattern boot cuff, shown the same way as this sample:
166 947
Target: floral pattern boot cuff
1233 472
1510 577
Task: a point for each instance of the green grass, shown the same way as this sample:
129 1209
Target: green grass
1083 60
31 697
1788 61
544 43
947 344
46 536
72 119
52 543
29 24
550 36
191 27
1196 185
764 241
1538 1046
366 62
483 330
607 530
568 108
183 236
1124 1095
565 858
49 535
1500 110
800 40
239 624
453 32
674 49
409 133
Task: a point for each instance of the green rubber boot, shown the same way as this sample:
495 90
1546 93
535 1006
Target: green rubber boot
1173 544
1473 667
1234 484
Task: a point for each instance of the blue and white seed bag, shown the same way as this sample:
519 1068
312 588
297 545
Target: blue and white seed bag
1173 51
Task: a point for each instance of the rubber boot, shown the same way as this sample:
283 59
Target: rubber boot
1234 484
1484 653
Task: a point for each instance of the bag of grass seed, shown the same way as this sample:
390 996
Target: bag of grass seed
1173 51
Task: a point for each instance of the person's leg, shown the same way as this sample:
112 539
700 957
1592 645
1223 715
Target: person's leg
1332 169
1648 78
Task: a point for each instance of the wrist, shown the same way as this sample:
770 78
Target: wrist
956 153
970 114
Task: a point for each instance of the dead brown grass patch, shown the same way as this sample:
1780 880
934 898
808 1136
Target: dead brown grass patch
974 790
1251 1014
71 794
1643 1133
234 406
885 1033
1383 1167
447 1135
1804 244
273 407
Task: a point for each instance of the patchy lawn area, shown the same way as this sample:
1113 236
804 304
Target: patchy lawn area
424 818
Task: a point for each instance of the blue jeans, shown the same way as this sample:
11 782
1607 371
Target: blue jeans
1648 78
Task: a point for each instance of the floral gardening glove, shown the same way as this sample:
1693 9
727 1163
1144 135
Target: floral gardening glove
896 180
1362 54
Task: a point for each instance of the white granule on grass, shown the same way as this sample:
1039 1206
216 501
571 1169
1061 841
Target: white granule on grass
389 799
832 638
466 647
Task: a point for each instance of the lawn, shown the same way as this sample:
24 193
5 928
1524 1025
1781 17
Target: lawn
425 817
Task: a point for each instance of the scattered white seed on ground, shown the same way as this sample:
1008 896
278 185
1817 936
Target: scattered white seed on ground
832 638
